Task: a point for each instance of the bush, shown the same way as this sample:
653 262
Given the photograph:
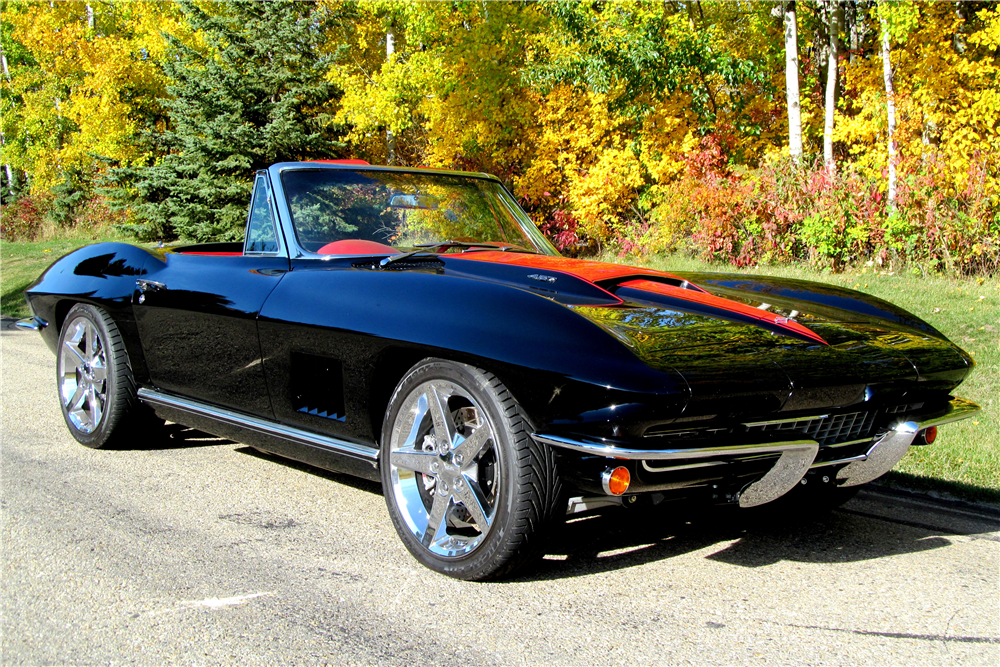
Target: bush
23 219
780 212
35 216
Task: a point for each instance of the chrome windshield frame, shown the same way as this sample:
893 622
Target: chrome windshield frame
296 251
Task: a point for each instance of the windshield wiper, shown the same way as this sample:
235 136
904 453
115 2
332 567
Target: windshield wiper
446 245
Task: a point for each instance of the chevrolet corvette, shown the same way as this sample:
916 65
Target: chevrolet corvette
413 327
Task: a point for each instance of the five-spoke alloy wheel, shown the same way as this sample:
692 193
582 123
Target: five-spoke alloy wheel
467 487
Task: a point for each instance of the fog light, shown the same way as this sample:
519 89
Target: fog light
616 480
929 435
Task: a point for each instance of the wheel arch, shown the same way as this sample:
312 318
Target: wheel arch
395 362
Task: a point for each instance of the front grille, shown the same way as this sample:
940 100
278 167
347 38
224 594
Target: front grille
826 430
832 429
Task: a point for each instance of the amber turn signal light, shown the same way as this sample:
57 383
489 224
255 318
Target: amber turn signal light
929 435
616 480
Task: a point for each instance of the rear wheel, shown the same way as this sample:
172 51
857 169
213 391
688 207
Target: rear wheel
95 385
470 493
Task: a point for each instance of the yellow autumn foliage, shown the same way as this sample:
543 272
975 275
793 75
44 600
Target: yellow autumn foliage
92 88
948 104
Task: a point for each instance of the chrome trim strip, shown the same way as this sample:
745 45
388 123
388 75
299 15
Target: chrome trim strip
784 421
823 464
849 442
616 452
791 466
958 409
690 466
368 454
33 323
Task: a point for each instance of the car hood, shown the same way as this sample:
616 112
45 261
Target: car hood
744 345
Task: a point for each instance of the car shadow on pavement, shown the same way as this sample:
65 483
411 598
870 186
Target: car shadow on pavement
616 539
340 478
173 436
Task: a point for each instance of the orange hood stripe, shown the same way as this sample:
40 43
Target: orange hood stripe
597 272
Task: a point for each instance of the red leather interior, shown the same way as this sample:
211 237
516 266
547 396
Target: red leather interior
355 247
362 162
227 254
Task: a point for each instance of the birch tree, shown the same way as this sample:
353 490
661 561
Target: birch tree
890 105
792 81
833 11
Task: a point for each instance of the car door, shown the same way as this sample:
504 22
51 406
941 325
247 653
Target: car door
196 310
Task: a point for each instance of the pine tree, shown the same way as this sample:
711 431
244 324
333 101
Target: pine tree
255 94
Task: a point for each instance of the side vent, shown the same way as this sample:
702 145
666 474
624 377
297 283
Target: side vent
318 386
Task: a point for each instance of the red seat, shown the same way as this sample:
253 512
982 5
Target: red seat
226 254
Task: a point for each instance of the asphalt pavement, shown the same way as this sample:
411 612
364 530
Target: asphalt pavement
198 550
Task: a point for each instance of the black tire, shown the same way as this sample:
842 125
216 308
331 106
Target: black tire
485 471
94 382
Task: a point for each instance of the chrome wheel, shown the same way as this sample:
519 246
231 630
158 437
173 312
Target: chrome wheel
469 492
95 384
83 374
445 467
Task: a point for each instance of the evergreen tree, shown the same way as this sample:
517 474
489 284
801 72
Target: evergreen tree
255 94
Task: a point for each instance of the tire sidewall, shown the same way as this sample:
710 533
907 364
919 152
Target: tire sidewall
484 559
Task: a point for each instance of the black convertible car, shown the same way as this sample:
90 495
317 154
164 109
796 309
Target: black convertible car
413 326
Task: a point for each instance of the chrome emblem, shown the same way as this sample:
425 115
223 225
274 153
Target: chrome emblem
543 278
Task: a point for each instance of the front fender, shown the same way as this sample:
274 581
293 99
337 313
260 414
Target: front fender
104 275
547 354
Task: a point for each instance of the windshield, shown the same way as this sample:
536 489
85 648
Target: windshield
404 211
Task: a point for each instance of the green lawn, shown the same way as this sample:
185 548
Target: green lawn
966 454
965 460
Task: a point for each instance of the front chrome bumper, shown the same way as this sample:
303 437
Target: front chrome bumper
796 456
33 323
888 450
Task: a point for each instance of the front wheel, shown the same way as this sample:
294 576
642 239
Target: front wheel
95 385
470 493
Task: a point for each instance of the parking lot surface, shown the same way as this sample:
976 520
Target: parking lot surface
198 550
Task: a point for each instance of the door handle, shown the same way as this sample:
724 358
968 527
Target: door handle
146 286
149 285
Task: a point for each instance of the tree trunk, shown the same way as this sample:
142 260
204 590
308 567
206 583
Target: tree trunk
890 103
390 138
852 21
792 83
11 176
833 58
